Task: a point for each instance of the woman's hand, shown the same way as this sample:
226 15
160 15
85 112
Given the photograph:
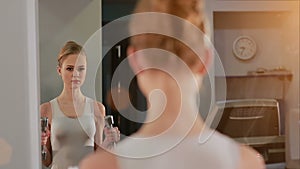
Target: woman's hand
112 136
44 137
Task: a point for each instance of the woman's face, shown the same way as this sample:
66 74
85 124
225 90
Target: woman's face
73 71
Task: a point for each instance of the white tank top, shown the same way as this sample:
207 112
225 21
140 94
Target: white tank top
71 138
65 129
215 152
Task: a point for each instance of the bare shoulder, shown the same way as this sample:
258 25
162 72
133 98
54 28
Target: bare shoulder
100 109
46 110
250 159
100 159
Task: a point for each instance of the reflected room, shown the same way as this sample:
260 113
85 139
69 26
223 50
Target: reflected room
255 90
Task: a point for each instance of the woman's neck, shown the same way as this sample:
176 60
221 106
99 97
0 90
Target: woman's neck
71 95
177 114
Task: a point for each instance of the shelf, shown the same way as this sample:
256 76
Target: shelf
268 86
280 75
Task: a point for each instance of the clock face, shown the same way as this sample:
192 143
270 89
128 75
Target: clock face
244 47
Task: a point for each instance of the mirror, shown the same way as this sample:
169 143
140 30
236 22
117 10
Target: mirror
60 21
80 21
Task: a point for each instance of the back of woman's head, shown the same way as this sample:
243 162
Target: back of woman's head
69 48
190 11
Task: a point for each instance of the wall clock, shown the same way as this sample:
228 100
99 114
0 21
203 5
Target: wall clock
244 47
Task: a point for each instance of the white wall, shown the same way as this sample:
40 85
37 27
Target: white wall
292 60
266 28
19 145
60 21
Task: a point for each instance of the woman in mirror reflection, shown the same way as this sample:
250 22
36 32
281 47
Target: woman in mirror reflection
169 62
76 122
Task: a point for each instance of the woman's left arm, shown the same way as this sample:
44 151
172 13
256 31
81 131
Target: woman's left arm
99 122
112 135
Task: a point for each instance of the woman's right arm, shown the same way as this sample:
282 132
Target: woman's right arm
45 110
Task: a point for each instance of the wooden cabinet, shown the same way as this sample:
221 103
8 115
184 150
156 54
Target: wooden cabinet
255 86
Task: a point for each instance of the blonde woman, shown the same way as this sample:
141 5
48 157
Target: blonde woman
76 122
169 73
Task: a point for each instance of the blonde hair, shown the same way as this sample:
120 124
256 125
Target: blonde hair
69 48
189 10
